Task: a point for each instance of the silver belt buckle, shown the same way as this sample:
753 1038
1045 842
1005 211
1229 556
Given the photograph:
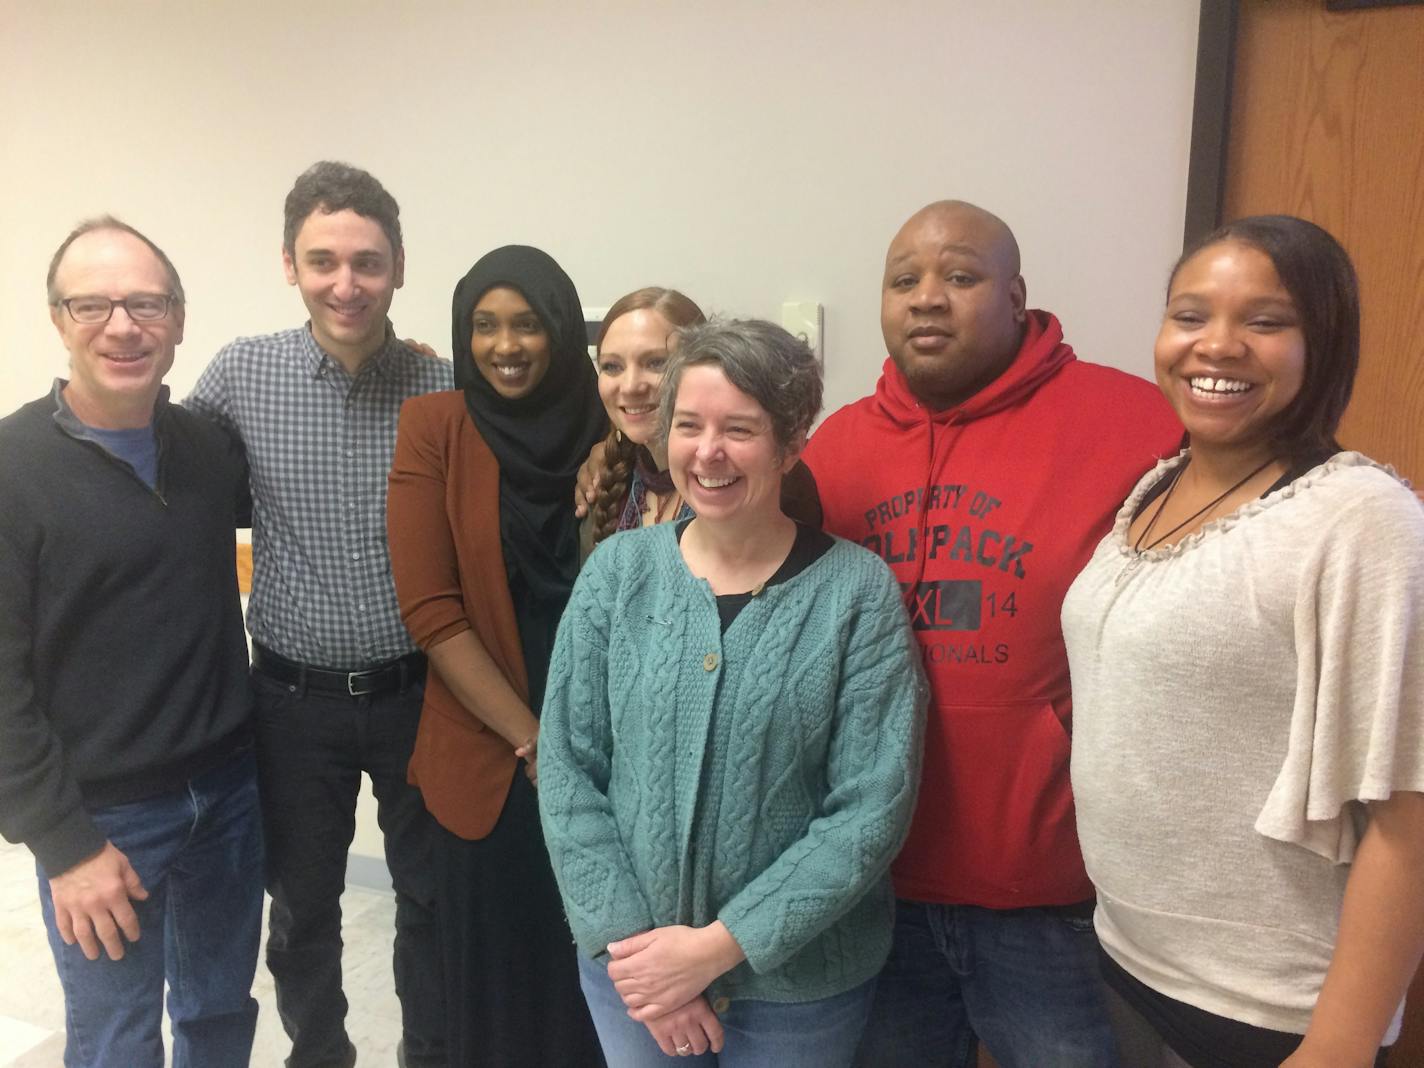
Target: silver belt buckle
351 677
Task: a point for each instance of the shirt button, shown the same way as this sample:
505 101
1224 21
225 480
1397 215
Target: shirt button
709 662
721 1005
355 556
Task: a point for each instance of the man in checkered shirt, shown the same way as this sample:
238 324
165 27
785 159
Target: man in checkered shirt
337 678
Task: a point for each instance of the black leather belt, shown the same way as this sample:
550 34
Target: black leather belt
394 676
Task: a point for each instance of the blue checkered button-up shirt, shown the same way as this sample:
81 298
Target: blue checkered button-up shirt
319 444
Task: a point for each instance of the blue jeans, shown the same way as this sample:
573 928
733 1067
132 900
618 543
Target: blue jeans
756 1034
1025 982
198 851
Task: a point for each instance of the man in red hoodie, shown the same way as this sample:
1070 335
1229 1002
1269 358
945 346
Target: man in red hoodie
999 462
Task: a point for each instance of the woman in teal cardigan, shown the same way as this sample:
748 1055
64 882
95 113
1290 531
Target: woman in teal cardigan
730 741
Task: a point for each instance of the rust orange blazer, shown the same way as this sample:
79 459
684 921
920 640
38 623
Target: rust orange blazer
442 517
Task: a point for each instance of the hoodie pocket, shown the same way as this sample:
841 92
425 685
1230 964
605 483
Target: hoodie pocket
995 823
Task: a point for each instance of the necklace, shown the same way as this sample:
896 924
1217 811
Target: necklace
665 499
1138 545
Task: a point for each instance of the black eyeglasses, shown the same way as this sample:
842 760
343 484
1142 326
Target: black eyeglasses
141 307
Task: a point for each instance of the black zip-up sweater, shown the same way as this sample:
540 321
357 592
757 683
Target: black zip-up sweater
123 666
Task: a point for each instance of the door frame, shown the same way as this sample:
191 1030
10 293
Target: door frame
1211 117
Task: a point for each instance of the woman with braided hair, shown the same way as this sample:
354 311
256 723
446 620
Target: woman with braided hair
632 349
625 484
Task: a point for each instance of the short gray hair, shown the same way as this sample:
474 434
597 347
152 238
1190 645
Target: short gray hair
108 222
774 368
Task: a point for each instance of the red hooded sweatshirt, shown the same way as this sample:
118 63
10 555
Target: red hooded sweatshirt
986 512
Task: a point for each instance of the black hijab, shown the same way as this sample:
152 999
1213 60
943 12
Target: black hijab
539 439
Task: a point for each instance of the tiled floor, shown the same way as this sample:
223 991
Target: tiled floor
32 1008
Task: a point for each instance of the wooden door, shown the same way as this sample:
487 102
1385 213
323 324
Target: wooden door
1327 122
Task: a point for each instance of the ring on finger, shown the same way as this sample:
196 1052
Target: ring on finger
684 1049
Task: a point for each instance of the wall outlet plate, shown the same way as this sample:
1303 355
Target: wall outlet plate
806 319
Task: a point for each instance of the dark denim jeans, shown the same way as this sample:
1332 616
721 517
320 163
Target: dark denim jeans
312 750
1025 982
198 851
756 1034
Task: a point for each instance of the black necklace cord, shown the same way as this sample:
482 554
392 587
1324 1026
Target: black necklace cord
1137 545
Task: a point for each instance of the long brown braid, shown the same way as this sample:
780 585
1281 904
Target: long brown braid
618 455
618 452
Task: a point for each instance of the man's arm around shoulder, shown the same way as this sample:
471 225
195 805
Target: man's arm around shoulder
213 395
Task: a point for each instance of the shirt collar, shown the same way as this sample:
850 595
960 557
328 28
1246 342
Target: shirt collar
71 424
320 364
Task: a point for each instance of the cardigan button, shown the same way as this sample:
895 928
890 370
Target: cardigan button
721 1005
709 662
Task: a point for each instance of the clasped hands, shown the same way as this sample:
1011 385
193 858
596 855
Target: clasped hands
661 975
528 751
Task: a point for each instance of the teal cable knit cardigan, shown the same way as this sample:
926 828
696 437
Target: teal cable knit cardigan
764 777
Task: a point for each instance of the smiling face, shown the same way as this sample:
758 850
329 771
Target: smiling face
630 367
722 453
1230 355
348 274
952 302
117 367
510 345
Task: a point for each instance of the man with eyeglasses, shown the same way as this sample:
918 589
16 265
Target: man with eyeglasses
126 756
338 680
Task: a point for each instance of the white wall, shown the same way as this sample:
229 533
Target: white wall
748 153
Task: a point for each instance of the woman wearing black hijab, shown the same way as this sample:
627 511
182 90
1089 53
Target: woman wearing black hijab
484 548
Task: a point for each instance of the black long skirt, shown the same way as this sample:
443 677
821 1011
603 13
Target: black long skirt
511 975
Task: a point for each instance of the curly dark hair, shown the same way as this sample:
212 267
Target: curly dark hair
331 187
